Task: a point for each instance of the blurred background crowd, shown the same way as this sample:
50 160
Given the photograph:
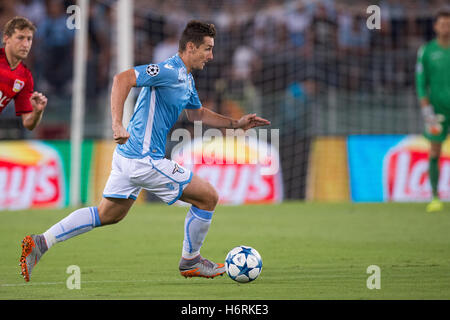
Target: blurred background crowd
310 66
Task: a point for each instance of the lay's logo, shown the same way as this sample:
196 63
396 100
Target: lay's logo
405 171
31 176
239 171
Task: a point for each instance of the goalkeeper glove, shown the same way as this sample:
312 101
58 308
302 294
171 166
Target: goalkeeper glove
432 121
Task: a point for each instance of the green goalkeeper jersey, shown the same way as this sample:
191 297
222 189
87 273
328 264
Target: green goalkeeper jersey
433 75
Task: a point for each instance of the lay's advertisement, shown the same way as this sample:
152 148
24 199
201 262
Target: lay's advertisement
394 168
358 168
35 174
31 175
242 171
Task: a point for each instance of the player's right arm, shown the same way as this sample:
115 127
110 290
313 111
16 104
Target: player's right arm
122 84
140 76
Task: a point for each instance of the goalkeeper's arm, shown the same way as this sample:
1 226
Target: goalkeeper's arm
421 83
429 116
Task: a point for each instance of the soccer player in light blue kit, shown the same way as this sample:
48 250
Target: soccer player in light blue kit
138 162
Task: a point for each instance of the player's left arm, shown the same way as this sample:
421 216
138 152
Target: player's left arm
39 102
196 112
213 119
30 104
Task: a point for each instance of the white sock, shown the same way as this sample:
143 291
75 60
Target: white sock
76 223
196 226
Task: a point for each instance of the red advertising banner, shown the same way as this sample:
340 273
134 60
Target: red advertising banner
31 175
394 168
241 171
406 171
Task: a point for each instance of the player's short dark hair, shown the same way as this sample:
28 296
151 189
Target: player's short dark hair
445 12
194 32
19 23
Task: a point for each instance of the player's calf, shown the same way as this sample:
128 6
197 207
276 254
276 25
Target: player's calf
113 210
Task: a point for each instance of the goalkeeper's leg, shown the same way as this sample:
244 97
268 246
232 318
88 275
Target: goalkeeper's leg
433 171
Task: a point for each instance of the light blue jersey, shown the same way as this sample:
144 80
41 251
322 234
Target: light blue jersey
166 91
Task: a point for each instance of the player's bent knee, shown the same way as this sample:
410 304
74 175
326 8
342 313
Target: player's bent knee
201 194
435 150
435 153
210 200
207 201
214 198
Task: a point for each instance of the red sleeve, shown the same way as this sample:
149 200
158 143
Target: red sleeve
22 100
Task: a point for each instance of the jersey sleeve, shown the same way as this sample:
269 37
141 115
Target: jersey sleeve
421 73
154 75
22 101
194 101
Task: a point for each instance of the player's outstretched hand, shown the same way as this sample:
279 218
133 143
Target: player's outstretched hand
120 134
38 101
250 121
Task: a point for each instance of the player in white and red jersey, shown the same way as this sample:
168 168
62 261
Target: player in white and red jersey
16 81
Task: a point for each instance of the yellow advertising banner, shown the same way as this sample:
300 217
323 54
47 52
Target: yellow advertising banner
328 178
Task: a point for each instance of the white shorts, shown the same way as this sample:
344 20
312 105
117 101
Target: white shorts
165 178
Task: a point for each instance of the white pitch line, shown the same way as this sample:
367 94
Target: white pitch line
88 281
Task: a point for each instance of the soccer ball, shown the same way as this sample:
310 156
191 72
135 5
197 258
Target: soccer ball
243 264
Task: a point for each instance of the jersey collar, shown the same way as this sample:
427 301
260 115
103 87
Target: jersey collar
180 61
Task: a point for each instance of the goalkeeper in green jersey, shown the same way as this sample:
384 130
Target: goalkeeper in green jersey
433 90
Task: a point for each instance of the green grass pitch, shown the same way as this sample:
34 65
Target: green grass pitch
309 251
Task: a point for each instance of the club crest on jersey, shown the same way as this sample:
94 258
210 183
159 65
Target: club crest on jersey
177 169
18 85
152 70
436 55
